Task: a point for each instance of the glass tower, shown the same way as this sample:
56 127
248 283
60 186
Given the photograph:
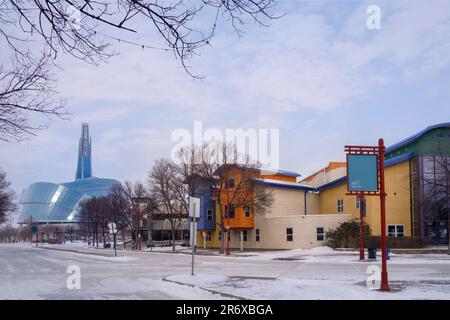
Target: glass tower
84 167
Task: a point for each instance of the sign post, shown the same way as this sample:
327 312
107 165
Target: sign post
194 213
365 176
384 274
361 226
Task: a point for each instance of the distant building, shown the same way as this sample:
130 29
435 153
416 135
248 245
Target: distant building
58 203
84 167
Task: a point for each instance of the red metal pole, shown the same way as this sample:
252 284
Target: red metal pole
361 227
384 273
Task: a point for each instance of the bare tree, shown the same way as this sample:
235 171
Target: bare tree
9 234
137 197
119 205
7 198
27 89
168 188
73 27
94 211
218 164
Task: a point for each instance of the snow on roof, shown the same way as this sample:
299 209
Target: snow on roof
284 184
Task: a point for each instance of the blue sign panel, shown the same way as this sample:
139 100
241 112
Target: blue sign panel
362 172
33 229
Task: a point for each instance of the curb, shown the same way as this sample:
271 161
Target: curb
77 251
223 294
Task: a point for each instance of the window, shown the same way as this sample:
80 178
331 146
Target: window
320 234
220 235
231 183
208 236
396 230
257 235
400 230
245 235
232 211
247 211
289 234
209 216
340 206
357 205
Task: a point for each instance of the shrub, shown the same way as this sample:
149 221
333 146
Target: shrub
346 235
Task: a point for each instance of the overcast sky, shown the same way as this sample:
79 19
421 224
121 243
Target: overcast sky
318 74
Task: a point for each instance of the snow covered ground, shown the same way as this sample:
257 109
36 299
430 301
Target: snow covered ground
321 273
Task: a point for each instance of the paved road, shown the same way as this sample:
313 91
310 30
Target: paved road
27 272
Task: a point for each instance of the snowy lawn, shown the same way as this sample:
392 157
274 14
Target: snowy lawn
313 289
320 273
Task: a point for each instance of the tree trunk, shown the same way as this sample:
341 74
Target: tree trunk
103 237
173 237
96 232
115 252
222 241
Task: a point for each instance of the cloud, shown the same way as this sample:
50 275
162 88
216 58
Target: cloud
319 58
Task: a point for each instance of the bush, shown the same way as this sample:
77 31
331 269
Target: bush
397 243
346 235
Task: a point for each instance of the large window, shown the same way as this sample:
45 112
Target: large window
245 235
208 236
257 235
431 199
396 230
320 234
340 205
289 234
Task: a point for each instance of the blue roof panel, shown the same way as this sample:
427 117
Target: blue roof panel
416 136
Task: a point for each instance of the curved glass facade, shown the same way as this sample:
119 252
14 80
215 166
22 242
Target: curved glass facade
51 202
